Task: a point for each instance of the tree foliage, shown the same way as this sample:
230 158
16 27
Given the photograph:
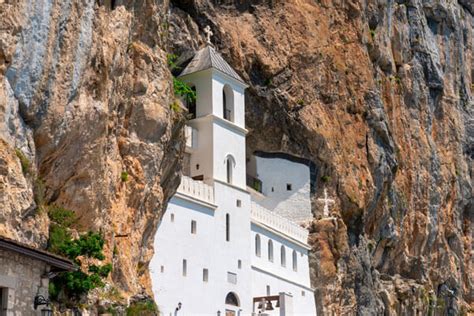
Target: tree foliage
181 89
72 285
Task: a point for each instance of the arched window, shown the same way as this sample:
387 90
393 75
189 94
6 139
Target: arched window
283 256
270 250
190 102
258 251
228 103
229 165
295 261
232 299
227 227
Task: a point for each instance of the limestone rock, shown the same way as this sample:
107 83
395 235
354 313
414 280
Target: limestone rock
84 95
378 94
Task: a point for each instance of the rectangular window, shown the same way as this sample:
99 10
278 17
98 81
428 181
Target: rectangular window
162 269
303 293
239 203
288 187
172 218
227 227
232 277
205 275
185 267
193 227
268 290
2 299
239 264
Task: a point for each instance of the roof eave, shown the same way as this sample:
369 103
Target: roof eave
53 260
239 82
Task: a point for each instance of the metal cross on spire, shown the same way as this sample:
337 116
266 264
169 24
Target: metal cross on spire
209 33
327 201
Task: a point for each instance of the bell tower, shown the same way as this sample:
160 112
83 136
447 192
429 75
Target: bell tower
219 122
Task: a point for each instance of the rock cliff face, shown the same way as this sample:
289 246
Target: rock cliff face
85 94
378 94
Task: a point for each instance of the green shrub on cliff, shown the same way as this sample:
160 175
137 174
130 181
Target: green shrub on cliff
24 161
61 216
70 286
146 308
182 89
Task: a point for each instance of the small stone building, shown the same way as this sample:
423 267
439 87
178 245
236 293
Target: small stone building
24 275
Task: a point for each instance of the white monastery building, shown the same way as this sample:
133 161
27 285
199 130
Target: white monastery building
230 242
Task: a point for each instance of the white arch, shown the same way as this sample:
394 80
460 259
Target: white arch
258 249
295 261
283 256
232 299
229 166
270 250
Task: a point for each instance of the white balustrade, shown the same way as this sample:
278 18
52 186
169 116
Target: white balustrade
260 214
196 189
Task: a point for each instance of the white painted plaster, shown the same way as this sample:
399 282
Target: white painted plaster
275 174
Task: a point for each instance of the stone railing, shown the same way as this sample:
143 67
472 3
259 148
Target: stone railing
196 189
264 216
190 134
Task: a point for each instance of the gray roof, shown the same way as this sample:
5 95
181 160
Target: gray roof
206 58
61 263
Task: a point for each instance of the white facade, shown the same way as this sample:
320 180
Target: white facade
286 186
206 258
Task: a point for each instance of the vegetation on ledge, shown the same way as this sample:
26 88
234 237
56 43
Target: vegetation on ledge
69 287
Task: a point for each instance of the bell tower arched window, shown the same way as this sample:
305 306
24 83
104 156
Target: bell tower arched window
190 102
229 165
228 103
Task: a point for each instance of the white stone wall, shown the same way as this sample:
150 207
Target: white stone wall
202 82
282 278
276 174
217 138
202 159
230 263
301 276
218 82
229 142
303 298
207 249
21 276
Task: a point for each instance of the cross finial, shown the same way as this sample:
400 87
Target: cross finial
327 201
209 33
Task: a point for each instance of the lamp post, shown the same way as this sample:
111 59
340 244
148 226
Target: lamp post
46 311
41 300
178 308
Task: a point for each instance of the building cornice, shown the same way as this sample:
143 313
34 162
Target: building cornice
217 119
194 200
231 186
282 235
226 76
254 267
